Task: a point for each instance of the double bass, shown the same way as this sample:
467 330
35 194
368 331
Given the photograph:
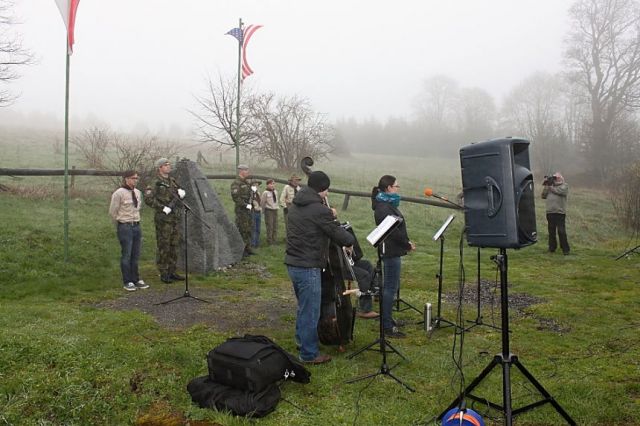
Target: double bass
337 314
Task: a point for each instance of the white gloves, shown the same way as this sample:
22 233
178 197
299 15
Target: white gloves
254 188
166 210
248 206
181 193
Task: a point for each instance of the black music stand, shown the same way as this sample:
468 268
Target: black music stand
478 321
439 235
506 359
186 293
376 238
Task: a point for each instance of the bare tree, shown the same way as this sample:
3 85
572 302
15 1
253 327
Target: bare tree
106 150
626 197
603 58
535 109
217 118
435 103
475 114
287 130
12 53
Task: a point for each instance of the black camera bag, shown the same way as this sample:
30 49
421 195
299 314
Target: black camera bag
253 363
209 394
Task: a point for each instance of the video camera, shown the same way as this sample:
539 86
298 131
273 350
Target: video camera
549 180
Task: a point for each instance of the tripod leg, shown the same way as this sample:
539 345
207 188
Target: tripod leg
472 385
390 374
359 351
543 391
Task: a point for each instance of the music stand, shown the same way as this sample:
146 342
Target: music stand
439 235
376 238
186 293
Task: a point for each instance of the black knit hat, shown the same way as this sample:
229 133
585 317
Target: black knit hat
319 181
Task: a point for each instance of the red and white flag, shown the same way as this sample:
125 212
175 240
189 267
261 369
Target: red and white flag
243 36
68 11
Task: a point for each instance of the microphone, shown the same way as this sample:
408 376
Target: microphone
429 193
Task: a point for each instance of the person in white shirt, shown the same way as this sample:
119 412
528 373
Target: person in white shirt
269 204
124 210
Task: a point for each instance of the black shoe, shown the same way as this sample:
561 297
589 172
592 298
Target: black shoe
394 333
176 277
166 278
248 252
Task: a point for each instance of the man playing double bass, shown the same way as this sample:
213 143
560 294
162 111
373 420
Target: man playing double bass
311 226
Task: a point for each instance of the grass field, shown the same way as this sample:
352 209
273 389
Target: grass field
66 358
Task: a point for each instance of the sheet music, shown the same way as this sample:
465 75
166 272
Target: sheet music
382 229
443 227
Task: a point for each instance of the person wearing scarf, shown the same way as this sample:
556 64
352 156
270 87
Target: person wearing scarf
269 204
125 213
385 201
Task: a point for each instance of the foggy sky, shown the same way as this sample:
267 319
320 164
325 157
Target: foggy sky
142 61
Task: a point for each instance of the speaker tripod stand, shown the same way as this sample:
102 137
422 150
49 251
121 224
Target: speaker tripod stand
505 360
186 293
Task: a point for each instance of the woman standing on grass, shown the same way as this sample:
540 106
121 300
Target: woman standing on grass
385 201
125 212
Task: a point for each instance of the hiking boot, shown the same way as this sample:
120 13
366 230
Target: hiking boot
129 287
320 359
141 284
166 278
176 277
394 333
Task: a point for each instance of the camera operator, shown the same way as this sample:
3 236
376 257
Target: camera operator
554 192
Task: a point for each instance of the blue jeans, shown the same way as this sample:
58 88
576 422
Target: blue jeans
391 278
307 285
255 232
130 237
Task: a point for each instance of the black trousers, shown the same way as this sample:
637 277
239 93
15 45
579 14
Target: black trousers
555 222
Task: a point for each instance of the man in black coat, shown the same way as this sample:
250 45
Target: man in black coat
311 226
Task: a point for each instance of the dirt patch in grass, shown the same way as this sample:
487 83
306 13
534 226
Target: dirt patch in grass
231 311
518 303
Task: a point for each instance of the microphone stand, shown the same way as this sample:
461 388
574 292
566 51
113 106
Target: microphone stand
478 320
186 293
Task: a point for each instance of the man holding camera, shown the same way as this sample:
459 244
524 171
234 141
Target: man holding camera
554 192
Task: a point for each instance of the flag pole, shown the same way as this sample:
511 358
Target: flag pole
237 141
66 158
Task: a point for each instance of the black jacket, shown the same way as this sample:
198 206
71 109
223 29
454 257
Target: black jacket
310 226
397 243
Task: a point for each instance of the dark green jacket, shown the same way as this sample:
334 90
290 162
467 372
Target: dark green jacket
163 193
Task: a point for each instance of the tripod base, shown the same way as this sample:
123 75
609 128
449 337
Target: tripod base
478 322
506 408
185 295
372 344
384 371
406 306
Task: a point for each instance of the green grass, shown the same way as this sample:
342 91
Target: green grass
64 360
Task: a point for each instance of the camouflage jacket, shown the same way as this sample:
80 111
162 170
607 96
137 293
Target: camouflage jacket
241 193
162 194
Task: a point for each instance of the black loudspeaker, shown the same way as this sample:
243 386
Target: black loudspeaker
497 185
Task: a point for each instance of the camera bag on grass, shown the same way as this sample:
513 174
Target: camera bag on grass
253 363
209 394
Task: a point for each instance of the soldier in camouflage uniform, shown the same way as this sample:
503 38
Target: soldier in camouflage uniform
162 197
241 194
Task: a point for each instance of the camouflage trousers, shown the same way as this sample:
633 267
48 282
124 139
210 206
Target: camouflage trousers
167 239
244 222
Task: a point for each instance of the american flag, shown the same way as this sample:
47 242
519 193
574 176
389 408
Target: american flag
243 36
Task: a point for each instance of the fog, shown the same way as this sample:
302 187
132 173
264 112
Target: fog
138 64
